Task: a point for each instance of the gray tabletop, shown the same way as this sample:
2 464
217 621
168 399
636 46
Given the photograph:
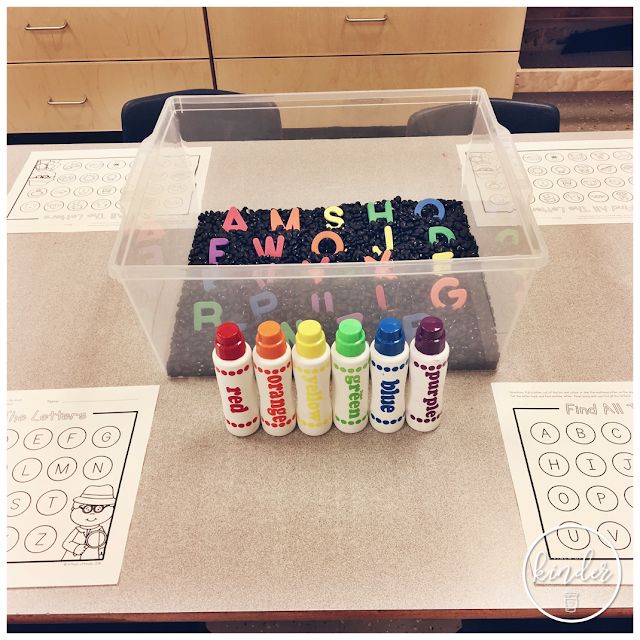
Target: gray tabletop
363 522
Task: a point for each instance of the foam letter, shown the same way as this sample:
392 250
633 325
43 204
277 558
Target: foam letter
149 235
334 215
512 234
358 316
328 302
293 221
262 303
434 232
324 259
199 319
270 250
410 324
289 333
423 203
214 252
381 298
329 235
388 240
386 255
387 214
459 294
209 285
234 221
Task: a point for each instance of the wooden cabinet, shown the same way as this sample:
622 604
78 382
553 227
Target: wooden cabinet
94 60
255 33
258 50
45 34
494 71
88 96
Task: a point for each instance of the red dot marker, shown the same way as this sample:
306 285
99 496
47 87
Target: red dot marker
229 342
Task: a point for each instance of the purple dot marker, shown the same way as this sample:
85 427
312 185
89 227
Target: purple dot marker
425 388
430 336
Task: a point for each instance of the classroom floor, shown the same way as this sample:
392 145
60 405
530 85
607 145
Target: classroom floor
601 111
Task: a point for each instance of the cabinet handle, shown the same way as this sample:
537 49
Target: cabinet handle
58 102
59 27
384 18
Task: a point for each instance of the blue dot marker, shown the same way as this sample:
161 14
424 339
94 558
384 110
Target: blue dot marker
390 354
389 337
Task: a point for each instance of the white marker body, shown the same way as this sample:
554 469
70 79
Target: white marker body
275 387
350 394
425 387
388 390
313 379
239 393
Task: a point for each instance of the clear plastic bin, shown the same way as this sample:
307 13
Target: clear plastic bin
312 150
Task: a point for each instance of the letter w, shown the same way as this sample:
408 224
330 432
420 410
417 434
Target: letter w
270 250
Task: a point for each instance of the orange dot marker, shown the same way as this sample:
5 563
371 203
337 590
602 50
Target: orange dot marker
270 340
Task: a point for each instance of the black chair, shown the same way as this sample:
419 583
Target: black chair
228 121
458 119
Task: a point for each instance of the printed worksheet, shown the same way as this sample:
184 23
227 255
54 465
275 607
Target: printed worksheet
80 190
74 459
580 181
577 182
570 452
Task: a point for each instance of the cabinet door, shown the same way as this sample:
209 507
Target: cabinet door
494 71
44 34
254 33
96 91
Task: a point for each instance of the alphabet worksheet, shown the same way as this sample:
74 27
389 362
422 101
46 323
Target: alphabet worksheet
580 181
80 190
571 182
74 458
570 452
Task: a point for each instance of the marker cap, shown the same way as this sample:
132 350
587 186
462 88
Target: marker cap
390 337
350 338
270 341
430 336
229 342
310 340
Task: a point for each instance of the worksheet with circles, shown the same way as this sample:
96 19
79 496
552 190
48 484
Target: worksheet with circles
80 190
580 182
570 452
571 182
74 458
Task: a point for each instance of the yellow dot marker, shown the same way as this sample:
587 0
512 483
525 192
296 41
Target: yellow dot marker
310 339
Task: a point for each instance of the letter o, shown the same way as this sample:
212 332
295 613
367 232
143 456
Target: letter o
327 235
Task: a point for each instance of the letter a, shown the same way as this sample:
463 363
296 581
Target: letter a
234 221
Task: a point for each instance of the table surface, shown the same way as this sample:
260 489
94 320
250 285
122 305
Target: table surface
410 524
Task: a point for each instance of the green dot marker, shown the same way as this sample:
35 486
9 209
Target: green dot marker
350 338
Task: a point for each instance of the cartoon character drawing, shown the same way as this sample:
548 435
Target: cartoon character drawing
38 178
92 512
47 165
